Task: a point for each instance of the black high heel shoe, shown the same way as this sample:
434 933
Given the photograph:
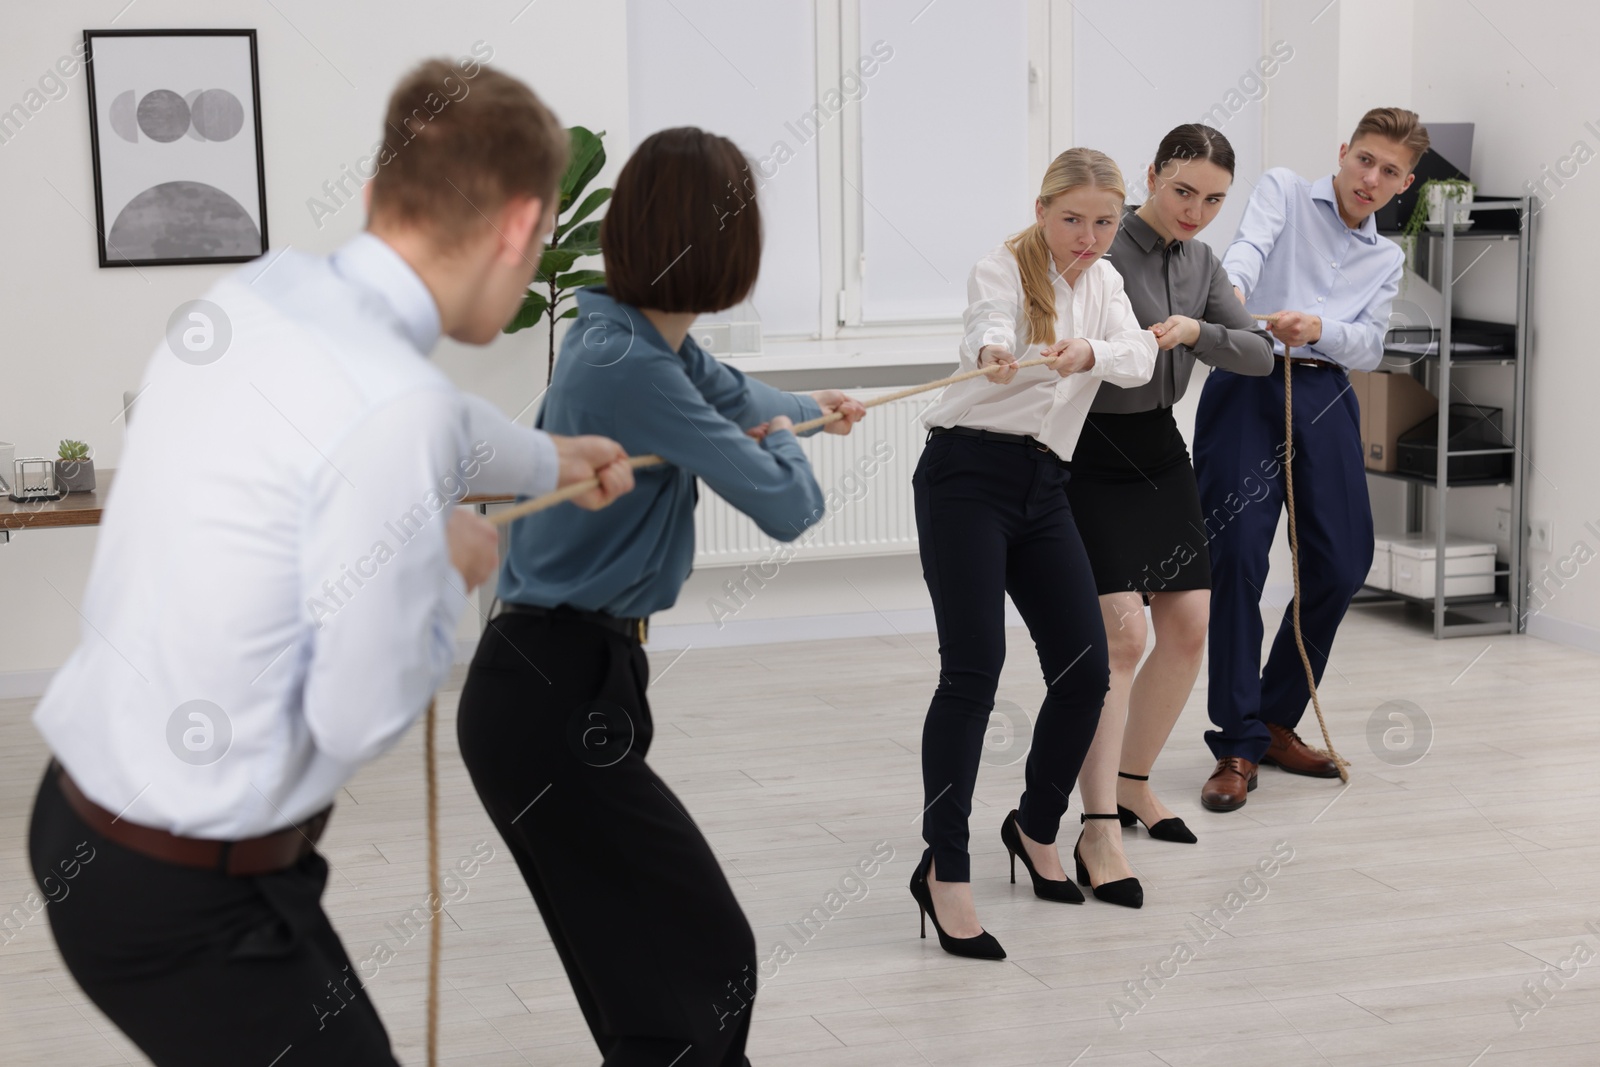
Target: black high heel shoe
1063 892
1125 891
1171 829
982 947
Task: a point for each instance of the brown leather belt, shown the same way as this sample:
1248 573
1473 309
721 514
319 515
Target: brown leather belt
1303 361
241 859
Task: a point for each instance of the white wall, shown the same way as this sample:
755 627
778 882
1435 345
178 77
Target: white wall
75 336
1524 72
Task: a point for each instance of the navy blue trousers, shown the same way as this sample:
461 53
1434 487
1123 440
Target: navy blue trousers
1238 461
992 519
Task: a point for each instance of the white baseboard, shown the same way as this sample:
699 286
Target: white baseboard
800 628
16 685
23 684
1562 632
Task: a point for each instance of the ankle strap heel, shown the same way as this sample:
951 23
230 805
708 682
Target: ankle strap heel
1169 829
1124 891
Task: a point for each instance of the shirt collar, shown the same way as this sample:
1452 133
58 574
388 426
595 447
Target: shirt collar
1144 235
369 261
1322 189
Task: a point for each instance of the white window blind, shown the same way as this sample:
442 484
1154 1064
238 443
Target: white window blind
943 153
748 72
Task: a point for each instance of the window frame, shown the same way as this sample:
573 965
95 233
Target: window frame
839 158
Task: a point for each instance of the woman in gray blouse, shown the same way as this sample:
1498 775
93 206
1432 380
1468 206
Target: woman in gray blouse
1133 489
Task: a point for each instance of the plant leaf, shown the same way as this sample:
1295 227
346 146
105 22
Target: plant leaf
591 203
588 156
580 278
554 262
570 313
584 236
533 308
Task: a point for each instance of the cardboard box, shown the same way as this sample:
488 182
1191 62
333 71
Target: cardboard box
1391 404
1468 566
1361 385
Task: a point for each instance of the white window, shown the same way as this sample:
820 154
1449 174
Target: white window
896 141
748 72
892 139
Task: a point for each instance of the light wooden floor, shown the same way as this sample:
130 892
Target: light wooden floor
1417 904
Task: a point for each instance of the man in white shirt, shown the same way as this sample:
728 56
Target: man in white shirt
276 589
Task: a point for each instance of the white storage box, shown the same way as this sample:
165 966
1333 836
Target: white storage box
1468 566
1381 576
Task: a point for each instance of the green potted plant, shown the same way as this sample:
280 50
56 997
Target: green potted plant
573 239
1430 211
74 468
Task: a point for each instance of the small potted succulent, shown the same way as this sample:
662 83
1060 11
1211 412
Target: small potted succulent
74 468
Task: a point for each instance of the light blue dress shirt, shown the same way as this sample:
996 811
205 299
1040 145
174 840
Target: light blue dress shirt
1294 253
272 601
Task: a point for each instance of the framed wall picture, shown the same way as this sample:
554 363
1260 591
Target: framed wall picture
175 128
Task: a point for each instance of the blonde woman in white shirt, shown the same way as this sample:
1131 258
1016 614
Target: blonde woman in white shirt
993 518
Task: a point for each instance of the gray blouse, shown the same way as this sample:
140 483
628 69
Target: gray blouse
1180 278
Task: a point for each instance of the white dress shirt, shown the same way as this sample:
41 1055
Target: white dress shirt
272 601
1039 402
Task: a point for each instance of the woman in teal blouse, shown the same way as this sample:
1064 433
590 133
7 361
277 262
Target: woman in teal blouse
554 724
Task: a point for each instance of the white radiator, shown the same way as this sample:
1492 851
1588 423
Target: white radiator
866 479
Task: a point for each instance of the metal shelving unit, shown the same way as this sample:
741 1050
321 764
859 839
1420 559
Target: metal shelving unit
1502 611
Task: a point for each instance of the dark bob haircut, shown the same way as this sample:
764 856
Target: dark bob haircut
683 232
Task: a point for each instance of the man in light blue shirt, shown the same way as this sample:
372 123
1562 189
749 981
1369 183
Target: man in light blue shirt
1307 254
276 588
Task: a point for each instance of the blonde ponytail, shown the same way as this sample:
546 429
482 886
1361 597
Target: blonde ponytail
1072 169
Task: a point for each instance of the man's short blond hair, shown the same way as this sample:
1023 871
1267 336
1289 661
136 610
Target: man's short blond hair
1398 125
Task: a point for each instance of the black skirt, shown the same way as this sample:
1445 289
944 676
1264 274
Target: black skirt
1134 498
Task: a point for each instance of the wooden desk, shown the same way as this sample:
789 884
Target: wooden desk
83 509
73 509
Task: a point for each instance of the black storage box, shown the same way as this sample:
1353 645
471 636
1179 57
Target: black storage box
1499 338
1471 428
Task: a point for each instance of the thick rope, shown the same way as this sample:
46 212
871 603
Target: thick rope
1294 557
435 900
576 489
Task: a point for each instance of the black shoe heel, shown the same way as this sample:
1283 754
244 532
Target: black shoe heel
1124 891
1043 888
1171 829
982 947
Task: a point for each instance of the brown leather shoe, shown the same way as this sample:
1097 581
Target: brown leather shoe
1226 788
1295 756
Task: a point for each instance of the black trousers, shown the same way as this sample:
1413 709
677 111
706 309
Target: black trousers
992 519
554 728
199 968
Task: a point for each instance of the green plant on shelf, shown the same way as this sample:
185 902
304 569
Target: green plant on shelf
73 451
573 239
1430 208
